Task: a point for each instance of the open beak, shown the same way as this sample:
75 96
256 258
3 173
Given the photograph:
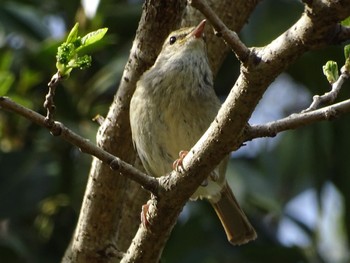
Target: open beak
199 30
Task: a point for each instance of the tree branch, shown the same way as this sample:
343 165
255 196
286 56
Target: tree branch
49 104
330 96
58 129
102 216
231 37
343 34
217 51
234 14
226 133
297 120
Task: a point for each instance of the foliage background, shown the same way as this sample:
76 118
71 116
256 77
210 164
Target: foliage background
293 187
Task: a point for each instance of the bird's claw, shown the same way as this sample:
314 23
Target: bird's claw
143 215
177 164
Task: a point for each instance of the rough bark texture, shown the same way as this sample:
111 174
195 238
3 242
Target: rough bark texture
135 197
95 236
111 206
217 51
105 197
313 30
233 13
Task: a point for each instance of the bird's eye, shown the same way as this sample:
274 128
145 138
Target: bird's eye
172 40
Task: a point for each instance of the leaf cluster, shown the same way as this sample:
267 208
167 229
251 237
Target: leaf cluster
67 53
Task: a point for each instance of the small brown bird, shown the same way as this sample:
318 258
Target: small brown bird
173 105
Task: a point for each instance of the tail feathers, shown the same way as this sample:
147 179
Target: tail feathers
236 224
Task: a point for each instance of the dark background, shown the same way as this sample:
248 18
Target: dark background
294 187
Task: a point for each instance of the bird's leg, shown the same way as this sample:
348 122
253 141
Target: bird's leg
214 175
178 166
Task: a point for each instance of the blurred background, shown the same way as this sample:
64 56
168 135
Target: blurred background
294 187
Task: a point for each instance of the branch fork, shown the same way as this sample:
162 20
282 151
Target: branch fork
242 52
243 97
329 97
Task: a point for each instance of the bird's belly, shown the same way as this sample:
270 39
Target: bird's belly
164 131
173 134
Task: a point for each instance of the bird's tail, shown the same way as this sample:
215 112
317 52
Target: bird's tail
236 224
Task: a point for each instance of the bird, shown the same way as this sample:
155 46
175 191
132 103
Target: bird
173 105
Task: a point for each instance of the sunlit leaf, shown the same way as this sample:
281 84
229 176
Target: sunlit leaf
93 37
346 21
72 36
330 70
347 52
347 57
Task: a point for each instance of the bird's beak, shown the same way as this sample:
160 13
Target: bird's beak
199 30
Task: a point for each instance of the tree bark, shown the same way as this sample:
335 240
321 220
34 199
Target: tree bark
108 194
217 51
95 237
233 13
313 30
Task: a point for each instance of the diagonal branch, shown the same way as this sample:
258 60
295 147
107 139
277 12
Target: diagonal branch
307 116
231 37
58 129
101 226
226 133
296 120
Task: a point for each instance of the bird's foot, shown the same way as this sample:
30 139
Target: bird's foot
177 164
143 215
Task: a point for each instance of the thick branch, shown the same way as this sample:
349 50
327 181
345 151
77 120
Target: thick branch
101 213
240 11
227 131
58 129
91 243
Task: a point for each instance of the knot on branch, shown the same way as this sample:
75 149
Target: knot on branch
114 164
331 113
49 103
55 127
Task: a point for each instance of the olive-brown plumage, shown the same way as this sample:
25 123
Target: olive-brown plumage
173 105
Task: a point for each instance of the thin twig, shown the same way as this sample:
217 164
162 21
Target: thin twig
342 34
49 104
242 52
330 96
58 129
297 120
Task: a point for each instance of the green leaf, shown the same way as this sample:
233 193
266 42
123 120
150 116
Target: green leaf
6 60
347 57
63 69
330 70
6 80
346 21
347 52
73 34
93 37
67 54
